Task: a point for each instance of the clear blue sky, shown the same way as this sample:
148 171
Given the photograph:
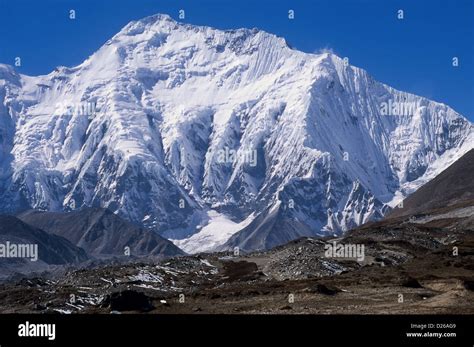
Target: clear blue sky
414 54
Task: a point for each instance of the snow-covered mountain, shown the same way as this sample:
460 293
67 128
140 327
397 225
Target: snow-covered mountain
218 137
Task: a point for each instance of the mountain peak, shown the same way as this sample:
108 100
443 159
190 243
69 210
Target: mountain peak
153 20
156 28
158 17
193 128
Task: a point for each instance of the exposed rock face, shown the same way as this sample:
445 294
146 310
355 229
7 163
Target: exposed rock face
102 233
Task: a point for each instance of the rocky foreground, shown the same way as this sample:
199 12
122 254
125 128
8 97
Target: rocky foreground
409 266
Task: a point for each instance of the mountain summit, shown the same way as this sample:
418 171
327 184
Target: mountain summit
217 137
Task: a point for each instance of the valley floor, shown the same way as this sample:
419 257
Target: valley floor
407 269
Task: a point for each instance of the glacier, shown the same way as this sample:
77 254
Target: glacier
139 127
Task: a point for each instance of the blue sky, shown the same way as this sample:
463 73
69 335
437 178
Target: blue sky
414 54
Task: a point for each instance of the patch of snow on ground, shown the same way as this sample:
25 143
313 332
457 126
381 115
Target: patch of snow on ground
214 234
144 276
